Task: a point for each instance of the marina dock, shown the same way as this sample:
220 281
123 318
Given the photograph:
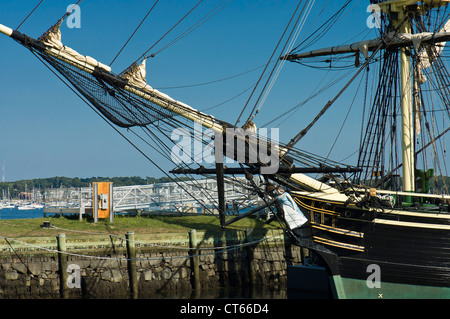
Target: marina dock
188 197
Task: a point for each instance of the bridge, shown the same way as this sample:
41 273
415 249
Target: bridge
195 196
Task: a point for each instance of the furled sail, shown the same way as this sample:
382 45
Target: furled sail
425 59
52 40
136 75
429 54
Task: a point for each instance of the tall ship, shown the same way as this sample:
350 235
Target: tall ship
380 227
386 221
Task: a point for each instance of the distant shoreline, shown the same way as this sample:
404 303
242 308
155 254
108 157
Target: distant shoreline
14 189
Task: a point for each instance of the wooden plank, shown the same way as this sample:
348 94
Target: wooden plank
338 230
337 244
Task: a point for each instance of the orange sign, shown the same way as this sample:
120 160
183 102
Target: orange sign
104 196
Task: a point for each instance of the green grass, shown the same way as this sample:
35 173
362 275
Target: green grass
122 224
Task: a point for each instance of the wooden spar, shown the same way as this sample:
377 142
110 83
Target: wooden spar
5 30
400 40
257 170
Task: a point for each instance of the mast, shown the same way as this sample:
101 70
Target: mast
402 23
398 11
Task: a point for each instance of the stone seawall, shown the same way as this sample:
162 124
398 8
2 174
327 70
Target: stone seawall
163 265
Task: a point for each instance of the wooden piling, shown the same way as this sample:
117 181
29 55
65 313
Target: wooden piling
82 209
95 202
195 262
221 192
250 254
224 255
62 264
132 273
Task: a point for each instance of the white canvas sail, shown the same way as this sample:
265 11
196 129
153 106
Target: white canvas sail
52 40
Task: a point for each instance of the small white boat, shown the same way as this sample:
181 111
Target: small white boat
30 206
6 205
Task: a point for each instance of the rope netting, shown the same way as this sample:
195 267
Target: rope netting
111 99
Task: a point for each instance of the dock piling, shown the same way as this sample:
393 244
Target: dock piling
195 262
250 254
132 273
62 263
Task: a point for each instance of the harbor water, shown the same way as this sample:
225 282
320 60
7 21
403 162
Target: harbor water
16 213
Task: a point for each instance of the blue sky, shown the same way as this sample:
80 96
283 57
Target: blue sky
46 130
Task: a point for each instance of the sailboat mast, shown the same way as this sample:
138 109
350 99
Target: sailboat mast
403 22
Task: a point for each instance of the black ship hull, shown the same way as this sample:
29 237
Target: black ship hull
379 252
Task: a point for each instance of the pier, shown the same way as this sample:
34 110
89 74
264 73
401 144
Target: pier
188 197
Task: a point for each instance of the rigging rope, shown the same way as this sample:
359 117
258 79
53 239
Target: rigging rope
208 16
68 12
319 33
29 15
102 91
268 62
162 37
345 119
302 133
230 99
315 93
155 245
220 250
123 47
210 82
283 62
119 132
